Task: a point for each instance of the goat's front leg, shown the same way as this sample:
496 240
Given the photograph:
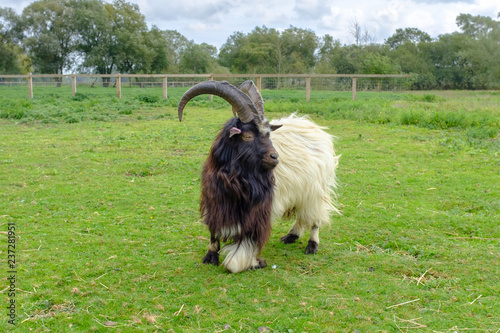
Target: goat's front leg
262 263
258 262
212 256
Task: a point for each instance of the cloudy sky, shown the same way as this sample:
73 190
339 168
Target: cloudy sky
213 21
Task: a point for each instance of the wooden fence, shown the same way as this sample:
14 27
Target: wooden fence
165 79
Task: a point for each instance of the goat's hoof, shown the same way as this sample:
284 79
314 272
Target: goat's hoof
312 247
262 262
289 239
212 258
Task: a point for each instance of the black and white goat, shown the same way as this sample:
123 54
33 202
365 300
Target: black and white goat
244 187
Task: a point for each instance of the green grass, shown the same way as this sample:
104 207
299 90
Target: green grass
109 234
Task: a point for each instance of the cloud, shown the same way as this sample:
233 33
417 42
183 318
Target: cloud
18 6
258 13
433 2
203 27
312 9
213 21
189 9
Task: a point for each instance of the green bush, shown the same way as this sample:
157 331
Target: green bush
150 99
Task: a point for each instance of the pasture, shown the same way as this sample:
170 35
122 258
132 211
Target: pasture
104 196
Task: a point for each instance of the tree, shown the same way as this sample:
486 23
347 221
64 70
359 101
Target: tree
10 26
482 49
375 62
262 52
12 59
156 42
267 50
196 59
299 46
355 31
258 51
176 44
112 37
230 49
408 35
49 35
325 63
450 67
360 36
129 28
409 49
461 60
478 26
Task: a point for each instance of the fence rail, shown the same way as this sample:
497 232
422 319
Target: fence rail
307 82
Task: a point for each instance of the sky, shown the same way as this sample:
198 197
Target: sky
213 21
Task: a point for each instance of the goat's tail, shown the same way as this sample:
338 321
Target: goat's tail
240 256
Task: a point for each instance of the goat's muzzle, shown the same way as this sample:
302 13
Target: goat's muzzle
271 160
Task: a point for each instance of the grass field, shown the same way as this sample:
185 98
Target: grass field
104 193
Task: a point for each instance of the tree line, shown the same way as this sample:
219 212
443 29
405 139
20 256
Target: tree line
91 36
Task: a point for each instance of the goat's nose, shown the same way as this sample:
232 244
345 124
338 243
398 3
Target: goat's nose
274 156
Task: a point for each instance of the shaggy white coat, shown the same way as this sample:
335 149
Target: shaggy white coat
306 174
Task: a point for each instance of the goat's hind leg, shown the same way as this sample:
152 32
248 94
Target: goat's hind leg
297 230
289 238
313 244
294 233
212 256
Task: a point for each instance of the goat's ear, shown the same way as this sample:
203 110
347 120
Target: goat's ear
234 131
275 127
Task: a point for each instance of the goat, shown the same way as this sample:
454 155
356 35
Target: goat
245 187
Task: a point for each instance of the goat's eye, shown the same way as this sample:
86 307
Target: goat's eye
247 136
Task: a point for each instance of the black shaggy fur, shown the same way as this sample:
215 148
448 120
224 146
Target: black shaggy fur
237 187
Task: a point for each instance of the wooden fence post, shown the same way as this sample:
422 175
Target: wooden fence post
210 97
30 85
308 88
165 87
73 85
354 84
118 86
259 83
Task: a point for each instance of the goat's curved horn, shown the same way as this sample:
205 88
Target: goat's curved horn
251 90
241 103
